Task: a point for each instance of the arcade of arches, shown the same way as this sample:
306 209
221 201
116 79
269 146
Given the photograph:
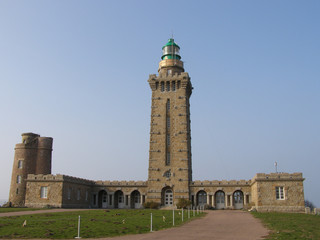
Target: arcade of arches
135 199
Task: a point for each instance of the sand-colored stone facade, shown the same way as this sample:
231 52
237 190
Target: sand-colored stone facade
170 164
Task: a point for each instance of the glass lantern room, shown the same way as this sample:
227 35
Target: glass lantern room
171 50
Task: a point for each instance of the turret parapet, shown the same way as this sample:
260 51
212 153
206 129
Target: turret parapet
277 176
221 183
122 183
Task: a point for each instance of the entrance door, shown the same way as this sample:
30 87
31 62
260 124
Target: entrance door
104 200
220 200
202 198
168 198
135 199
238 199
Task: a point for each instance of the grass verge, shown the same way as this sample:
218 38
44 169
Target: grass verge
94 223
5 210
285 226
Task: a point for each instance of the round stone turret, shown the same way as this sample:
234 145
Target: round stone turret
171 62
32 156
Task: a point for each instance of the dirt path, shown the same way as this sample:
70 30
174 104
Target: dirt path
220 225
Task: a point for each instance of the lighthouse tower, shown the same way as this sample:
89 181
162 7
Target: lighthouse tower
170 168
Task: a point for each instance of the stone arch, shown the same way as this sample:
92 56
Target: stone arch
118 199
201 198
219 197
238 199
167 196
135 197
102 199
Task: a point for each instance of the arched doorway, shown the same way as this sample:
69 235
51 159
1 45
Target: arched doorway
102 199
118 199
167 197
135 199
238 199
220 200
201 198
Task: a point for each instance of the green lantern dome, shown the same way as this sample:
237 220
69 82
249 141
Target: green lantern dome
171 50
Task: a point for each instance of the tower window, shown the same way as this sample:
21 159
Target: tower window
167 174
17 191
280 193
168 106
18 179
168 140
178 85
168 160
168 122
44 192
173 86
162 86
20 164
168 86
157 85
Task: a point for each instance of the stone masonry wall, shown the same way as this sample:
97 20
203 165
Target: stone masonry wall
264 186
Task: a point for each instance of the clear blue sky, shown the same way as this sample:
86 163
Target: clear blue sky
77 71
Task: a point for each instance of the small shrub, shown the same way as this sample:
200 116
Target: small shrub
151 205
183 203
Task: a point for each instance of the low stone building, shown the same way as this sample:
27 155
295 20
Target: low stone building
170 164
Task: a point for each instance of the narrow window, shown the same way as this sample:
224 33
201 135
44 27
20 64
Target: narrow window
168 86
18 179
173 86
44 192
157 85
168 125
78 194
280 193
87 195
20 163
162 86
17 191
179 83
69 193
168 159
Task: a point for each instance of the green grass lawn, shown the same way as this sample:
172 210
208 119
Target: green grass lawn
94 223
4 210
290 226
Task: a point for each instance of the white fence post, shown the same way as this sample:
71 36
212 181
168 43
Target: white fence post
173 216
182 214
78 228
